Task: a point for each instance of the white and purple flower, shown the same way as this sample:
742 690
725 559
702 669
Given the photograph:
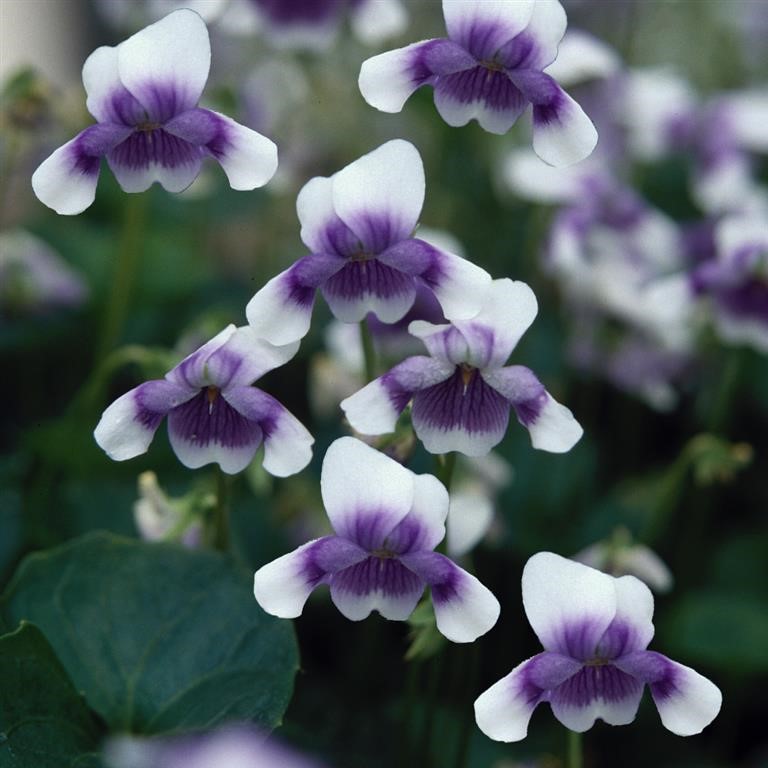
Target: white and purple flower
490 68
359 226
214 414
144 94
595 630
387 522
462 393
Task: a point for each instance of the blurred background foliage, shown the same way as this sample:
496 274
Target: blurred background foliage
701 505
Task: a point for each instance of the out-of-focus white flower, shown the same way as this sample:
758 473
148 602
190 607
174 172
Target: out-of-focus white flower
582 57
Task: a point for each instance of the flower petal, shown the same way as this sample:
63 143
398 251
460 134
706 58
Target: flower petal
580 57
287 443
248 158
687 701
387 80
504 710
423 528
66 181
569 605
536 47
375 408
322 231
282 310
108 100
165 65
469 517
482 28
486 95
127 427
602 691
464 608
375 20
365 493
381 584
380 195
461 414
459 285
282 587
191 371
632 628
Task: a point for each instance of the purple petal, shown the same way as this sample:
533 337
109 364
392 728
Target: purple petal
321 228
109 101
127 427
536 46
66 181
191 372
378 583
504 710
461 414
283 586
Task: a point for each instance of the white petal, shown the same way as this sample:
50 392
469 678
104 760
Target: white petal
101 79
430 509
500 20
634 608
469 516
462 287
357 482
375 20
546 28
747 114
567 137
314 206
370 410
288 447
248 158
690 703
581 57
174 54
531 178
61 185
555 429
384 188
559 594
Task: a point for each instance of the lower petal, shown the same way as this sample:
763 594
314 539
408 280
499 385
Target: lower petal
460 415
155 155
603 692
207 429
488 96
504 710
282 587
687 701
367 286
287 443
377 583
464 608
66 181
127 427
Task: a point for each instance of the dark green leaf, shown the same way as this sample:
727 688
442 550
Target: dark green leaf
44 721
159 638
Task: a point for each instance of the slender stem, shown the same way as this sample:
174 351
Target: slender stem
726 386
445 467
575 755
369 352
128 257
465 734
220 538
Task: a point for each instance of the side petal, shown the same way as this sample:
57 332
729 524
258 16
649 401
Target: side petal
66 181
248 158
365 493
459 285
287 443
282 310
380 195
127 427
165 65
562 132
464 608
569 605
504 710
483 28
687 701
386 81
282 587
375 408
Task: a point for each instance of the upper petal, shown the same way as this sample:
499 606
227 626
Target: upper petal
569 605
423 528
322 231
165 65
108 100
380 195
365 493
536 46
191 371
632 627
483 27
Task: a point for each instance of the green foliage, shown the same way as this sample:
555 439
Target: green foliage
159 638
44 721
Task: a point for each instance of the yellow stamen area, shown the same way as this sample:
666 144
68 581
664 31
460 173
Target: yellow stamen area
467 372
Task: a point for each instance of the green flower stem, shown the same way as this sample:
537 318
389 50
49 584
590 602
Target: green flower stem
465 734
129 252
369 352
220 532
575 754
445 466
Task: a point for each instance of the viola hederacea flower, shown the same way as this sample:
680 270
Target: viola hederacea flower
462 392
214 414
736 280
490 68
359 226
595 630
144 93
387 522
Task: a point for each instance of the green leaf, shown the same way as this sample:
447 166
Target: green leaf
158 637
44 721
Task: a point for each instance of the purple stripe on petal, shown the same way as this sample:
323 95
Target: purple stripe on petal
407 536
518 52
599 682
163 100
144 148
369 528
123 107
619 639
579 639
327 556
491 87
542 91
